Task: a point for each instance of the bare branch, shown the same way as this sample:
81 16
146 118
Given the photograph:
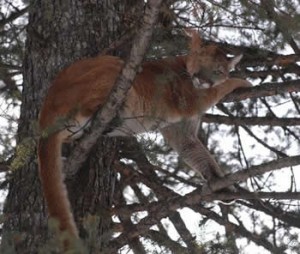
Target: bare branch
282 214
195 197
13 16
238 229
174 246
268 120
254 171
10 66
172 201
270 59
268 7
117 96
266 89
4 167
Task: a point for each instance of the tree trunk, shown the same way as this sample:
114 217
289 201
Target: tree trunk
60 32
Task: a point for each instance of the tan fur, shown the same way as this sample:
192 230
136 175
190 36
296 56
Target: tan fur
163 96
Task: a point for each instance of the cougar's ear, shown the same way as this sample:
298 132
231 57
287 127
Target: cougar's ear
234 61
192 65
195 48
195 43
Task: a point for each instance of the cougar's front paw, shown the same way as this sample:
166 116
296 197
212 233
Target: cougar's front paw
246 83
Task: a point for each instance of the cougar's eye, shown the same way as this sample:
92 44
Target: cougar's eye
218 72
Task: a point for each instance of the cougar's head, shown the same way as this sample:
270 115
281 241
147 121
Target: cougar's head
208 63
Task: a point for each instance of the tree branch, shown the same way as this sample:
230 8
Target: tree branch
196 197
280 22
237 229
289 218
109 111
172 201
13 16
165 240
4 167
269 59
266 89
268 120
243 175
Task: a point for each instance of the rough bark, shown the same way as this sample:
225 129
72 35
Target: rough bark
59 32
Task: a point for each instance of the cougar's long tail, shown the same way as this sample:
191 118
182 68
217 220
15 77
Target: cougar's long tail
55 192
